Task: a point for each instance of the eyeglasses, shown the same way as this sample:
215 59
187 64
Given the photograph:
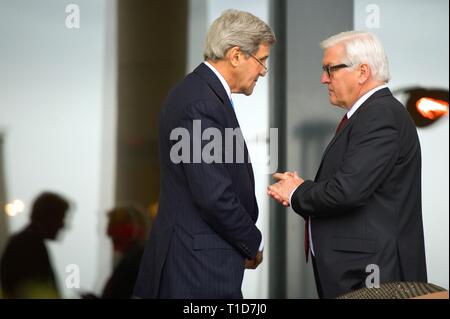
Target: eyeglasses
266 69
331 68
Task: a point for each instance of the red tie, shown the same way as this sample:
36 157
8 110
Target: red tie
342 122
307 238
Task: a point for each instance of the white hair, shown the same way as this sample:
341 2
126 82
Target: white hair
362 47
236 28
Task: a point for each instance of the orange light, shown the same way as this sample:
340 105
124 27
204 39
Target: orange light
432 108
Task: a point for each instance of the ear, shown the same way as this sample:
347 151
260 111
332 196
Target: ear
233 55
364 73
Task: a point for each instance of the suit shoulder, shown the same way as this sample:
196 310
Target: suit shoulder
398 112
189 89
192 90
192 98
386 107
387 111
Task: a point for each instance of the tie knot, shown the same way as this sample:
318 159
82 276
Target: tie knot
342 122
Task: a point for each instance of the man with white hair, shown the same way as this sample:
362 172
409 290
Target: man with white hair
204 235
363 211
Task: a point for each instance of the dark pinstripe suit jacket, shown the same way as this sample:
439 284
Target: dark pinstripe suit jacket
205 226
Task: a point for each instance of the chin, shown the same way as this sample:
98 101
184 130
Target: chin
248 92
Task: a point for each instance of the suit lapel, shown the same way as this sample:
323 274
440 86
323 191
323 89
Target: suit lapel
377 94
216 86
214 83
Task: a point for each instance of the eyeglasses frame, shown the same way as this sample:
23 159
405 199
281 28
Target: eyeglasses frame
330 68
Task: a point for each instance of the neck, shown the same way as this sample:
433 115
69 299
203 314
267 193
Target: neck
368 86
224 68
363 89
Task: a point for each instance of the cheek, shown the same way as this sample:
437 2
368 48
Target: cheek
338 89
248 74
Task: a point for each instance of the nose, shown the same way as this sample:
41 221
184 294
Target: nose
263 72
325 79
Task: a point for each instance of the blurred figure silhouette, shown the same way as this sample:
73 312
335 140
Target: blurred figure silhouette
25 267
127 228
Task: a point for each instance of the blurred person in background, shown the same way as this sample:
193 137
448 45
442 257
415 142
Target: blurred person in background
26 270
127 228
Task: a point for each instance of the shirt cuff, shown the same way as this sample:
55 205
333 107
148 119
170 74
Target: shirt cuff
292 193
261 246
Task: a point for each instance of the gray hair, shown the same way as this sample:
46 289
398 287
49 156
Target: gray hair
236 28
362 47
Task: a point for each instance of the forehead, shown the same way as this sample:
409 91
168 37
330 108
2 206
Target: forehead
333 54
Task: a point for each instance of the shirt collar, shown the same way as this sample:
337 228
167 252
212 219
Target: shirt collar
221 78
364 98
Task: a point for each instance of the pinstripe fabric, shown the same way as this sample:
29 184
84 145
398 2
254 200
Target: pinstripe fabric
207 212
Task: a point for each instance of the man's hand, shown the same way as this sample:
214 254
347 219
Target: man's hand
281 190
253 263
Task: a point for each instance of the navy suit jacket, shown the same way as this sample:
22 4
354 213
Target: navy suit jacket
365 202
205 227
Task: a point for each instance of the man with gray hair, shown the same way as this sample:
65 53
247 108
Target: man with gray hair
363 211
204 235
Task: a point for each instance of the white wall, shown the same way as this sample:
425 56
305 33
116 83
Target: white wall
415 36
57 113
252 113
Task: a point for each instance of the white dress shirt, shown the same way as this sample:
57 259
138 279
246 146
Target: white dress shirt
221 78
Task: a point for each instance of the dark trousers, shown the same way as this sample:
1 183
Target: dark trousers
316 277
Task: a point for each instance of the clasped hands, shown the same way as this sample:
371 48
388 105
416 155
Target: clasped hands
281 190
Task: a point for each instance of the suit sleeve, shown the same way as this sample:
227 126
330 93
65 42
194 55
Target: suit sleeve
370 156
212 187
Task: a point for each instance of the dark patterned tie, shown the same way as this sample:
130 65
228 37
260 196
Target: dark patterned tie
342 123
